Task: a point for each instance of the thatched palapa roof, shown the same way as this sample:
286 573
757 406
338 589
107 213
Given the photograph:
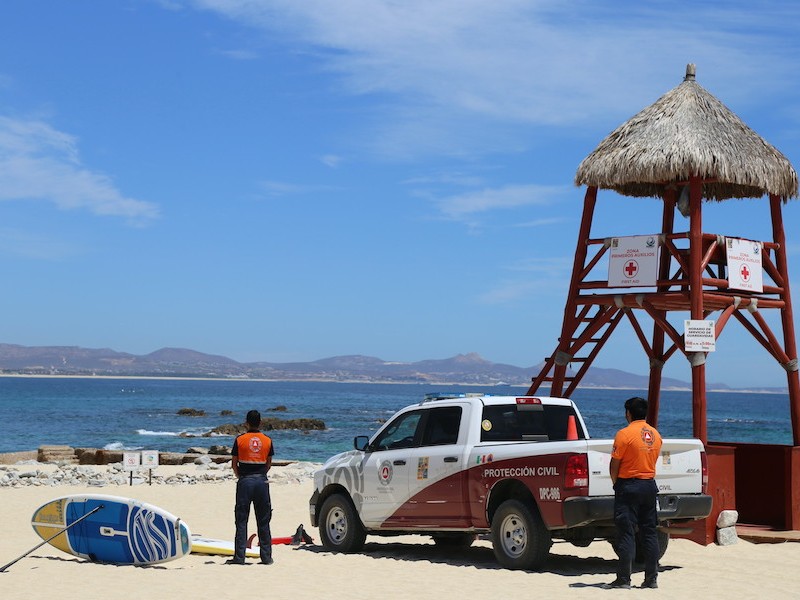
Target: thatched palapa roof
688 132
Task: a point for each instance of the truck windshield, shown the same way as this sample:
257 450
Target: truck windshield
505 423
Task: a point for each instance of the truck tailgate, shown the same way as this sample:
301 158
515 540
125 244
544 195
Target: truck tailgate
679 470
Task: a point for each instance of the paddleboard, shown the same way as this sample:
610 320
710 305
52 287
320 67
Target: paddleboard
205 545
123 531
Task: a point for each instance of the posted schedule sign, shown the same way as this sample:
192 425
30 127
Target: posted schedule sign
699 336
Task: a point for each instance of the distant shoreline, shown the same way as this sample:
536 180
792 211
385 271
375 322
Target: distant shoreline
361 381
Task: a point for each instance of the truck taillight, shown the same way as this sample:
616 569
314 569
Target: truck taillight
704 465
577 472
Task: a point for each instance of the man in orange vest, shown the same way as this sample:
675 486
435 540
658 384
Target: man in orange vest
251 460
633 470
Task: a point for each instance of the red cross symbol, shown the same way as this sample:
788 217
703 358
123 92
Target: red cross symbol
744 272
631 268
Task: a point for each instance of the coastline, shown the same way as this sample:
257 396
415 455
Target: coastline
769 391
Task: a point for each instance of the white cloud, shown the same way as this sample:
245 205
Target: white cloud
440 64
331 160
239 54
283 188
461 206
37 162
542 222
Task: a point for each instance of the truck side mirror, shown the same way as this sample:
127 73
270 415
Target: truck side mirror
360 442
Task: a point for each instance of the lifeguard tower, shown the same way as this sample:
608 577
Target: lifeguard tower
685 148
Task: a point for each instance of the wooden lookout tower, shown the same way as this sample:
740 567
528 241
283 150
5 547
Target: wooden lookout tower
685 148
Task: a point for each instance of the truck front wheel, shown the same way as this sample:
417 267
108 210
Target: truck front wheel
519 538
339 526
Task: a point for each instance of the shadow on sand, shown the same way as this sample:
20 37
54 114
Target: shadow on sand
482 557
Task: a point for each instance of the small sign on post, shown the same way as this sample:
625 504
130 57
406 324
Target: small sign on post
131 462
633 261
744 265
699 336
150 462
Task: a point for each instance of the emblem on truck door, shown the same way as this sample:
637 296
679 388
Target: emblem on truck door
385 473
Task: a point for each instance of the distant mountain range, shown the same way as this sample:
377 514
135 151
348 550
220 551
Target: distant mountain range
467 369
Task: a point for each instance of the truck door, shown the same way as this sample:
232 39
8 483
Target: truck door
387 466
436 473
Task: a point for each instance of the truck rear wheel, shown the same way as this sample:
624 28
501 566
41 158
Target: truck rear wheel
519 538
339 526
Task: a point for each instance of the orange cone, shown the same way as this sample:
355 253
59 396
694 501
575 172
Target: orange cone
572 429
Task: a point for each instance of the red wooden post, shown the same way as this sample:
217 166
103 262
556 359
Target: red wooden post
699 425
787 318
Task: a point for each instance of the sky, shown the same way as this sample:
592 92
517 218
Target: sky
284 180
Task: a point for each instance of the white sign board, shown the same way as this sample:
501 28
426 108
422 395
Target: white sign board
149 459
744 265
698 336
131 460
633 261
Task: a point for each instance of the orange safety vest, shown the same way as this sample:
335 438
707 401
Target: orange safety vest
637 447
253 448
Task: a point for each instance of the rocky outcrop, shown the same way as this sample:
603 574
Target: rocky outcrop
270 424
191 412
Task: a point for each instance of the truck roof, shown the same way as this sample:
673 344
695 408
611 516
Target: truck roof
491 400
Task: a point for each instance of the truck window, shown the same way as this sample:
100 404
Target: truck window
442 426
504 423
400 433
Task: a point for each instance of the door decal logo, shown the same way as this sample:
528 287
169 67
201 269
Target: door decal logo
385 472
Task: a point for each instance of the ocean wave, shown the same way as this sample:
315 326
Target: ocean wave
117 446
159 433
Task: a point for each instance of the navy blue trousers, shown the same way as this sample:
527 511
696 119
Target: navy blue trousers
635 507
253 489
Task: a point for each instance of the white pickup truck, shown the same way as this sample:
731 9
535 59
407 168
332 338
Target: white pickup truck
521 469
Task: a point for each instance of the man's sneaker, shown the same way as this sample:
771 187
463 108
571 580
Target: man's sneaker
623 584
233 561
651 583
269 561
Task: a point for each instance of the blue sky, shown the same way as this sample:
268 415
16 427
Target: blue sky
291 180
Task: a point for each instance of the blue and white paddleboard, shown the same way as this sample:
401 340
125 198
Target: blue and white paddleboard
122 531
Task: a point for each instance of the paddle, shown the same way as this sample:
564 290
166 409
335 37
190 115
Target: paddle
75 522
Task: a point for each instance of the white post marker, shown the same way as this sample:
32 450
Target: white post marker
150 462
698 336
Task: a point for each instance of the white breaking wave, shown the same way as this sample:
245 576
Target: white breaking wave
120 446
162 433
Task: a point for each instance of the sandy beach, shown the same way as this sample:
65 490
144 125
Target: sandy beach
400 567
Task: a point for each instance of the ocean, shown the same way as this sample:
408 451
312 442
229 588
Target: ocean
142 414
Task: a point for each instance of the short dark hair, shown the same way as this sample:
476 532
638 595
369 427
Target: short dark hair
254 418
637 407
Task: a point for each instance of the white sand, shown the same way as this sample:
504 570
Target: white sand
401 567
